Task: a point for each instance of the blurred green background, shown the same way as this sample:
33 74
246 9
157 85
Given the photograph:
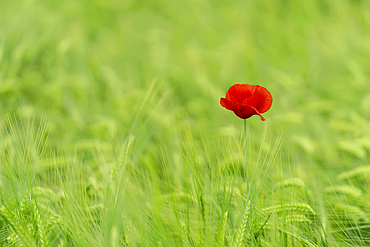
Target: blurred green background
146 74
101 70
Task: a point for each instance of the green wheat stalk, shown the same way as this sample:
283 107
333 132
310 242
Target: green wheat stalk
20 230
39 226
345 189
295 207
221 234
361 171
241 231
297 218
290 182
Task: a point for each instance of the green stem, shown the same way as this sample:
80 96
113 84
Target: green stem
245 147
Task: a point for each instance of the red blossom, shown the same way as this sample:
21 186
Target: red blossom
247 100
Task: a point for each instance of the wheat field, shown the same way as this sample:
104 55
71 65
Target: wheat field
112 132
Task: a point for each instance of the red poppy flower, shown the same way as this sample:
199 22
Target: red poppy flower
247 100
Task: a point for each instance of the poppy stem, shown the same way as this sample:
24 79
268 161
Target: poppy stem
245 147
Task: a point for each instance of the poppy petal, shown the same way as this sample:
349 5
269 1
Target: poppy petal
241 110
232 106
226 103
261 99
240 92
247 100
248 111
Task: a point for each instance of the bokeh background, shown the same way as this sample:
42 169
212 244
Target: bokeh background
152 73
103 69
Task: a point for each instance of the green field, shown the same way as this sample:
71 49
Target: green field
112 131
